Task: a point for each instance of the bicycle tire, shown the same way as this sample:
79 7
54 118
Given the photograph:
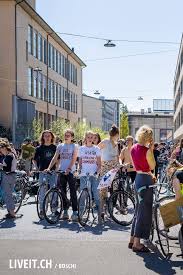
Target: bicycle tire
20 199
37 200
122 197
173 231
83 207
164 243
53 201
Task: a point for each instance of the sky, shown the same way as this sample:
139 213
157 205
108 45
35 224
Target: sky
130 69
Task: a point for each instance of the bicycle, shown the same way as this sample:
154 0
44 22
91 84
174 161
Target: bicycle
157 222
43 188
53 203
121 203
86 204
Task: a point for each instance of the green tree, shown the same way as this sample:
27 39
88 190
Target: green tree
124 125
37 128
80 129
59 126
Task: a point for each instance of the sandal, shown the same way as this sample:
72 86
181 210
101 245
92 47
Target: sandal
142 249
130 245
9 216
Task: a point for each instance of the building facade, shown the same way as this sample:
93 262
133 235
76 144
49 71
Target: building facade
163 105
162 124
178 98
40 76
100 112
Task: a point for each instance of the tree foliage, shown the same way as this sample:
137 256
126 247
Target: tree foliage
124 125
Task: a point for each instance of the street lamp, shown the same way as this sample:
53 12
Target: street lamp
109 44
97 93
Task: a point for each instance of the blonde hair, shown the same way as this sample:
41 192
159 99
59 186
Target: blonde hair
144 134
86 134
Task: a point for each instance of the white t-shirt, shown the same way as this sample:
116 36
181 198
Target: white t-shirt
89 159
66 152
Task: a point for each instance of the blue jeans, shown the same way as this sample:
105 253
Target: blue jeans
51 179
92 187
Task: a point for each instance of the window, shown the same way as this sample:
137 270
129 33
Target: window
56 94
62 97
53 58
44 88
56 61
40 90
30 39
64 66
50 55
30 78
52 92
59 95
35 86
40 47
49 90
76 108
44 51
58 58
35 44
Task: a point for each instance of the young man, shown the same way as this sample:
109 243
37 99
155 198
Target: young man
43 156
126 159
27 154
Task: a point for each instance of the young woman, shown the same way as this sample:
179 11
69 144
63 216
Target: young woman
90 162
175 171
144 163
8 177
67 152
43 156
96 139
109 157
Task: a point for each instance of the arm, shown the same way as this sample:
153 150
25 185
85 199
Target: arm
98 164
121 157
150 159
73 161
53 161
101 145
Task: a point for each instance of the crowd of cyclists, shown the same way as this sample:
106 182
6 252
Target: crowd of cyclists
141 159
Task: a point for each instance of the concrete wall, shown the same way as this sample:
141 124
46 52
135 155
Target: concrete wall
92 111
155 121
7 61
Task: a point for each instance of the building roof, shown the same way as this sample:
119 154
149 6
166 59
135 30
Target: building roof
152 114
49 30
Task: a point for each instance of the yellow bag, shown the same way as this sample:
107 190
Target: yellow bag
172 213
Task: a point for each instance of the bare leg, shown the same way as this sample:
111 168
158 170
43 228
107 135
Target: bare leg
176 187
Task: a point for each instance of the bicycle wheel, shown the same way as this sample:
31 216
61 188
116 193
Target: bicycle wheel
52 206
121 207
18 196
163 240
83 207
172 232
39 203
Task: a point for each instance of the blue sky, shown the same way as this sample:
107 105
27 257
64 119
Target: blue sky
150 75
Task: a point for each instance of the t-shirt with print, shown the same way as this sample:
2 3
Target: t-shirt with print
66 152
89 159
44 155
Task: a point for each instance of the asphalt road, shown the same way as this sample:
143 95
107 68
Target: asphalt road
67 248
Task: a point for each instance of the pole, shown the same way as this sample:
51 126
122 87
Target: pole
47 71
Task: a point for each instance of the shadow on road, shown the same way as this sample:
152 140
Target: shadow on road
156 262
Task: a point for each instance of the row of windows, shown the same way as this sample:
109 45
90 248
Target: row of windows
179 119
57 94
43 118
179 95
37 46
179 67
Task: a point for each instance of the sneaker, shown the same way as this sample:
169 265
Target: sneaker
65 216
74 217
